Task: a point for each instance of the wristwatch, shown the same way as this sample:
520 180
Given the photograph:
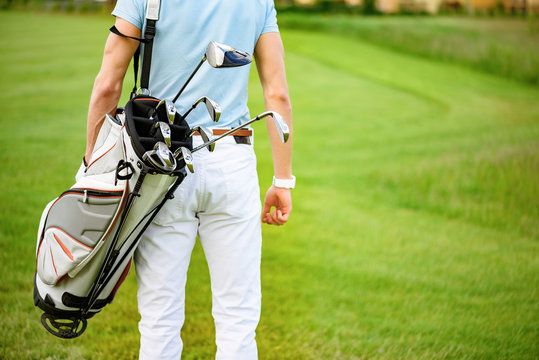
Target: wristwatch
284 183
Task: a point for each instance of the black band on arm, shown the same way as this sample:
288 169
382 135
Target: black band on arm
115 30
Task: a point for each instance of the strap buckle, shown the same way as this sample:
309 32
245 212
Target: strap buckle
143 91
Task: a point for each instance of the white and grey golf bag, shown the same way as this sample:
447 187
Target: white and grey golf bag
88 234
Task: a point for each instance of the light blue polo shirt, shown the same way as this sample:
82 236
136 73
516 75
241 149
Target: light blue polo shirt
183 31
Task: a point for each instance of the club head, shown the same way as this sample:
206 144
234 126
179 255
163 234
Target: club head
153 113
280 124
183 153
205 137
165 106
214 109
187 158
221 55
165 131
171 111
160 158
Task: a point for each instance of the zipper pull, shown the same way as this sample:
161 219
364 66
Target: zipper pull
85 198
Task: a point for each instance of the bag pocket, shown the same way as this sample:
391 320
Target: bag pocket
75 224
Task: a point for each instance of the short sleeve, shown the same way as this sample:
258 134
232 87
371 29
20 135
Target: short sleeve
132 11
270 24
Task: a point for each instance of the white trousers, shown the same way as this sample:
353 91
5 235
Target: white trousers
221 203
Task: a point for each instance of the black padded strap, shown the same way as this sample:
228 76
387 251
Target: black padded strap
149 34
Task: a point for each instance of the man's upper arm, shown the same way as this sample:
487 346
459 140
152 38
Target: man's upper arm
119 51
269 57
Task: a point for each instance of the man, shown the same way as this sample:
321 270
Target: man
220 201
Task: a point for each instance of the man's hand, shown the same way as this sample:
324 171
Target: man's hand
281 200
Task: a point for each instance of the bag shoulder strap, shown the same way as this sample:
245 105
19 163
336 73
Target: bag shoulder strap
152 15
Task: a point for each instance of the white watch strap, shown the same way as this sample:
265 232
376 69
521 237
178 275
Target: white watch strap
285 183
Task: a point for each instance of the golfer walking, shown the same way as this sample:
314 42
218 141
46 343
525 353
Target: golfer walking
220 201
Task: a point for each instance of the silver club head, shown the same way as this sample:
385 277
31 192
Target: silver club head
214 109
157 108
171 111
221 55
168 107
280 124
165 131
183 153
205 137
160 158
187 158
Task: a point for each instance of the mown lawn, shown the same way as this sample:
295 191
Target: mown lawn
415 225
501 46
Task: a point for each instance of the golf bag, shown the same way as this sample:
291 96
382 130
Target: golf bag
88 234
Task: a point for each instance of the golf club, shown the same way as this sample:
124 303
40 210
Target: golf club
169 108
165 131
160 158
186 156
278 121
219 55
204 135
171 111
214 109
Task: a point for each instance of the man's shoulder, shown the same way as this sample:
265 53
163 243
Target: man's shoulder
133 11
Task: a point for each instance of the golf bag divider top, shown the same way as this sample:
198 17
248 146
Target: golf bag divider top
141 128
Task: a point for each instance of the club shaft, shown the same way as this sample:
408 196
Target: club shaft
226 133
189 111
189 79
202 146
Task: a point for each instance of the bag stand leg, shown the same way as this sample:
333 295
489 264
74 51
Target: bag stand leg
64 328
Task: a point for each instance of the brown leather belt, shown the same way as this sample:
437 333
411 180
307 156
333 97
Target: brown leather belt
240 132
242 136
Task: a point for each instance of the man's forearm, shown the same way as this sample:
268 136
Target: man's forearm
269 56
104 100
282 153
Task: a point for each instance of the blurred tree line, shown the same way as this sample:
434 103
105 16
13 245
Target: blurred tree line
60 5
366 7
323 6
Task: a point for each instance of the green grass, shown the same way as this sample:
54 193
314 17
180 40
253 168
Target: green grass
502 46
415 226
